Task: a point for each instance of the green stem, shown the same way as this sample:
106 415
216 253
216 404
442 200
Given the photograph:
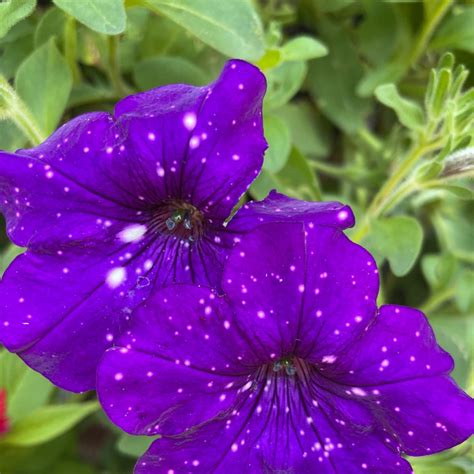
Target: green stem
428 29
383 196
114 68
18 112
437 299
70 48
370 139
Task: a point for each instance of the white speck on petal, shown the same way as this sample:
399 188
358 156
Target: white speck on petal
132 233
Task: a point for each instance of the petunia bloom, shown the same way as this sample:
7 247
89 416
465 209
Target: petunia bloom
110 207
294 370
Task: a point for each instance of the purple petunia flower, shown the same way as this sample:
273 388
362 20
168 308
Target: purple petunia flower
110 207
293 370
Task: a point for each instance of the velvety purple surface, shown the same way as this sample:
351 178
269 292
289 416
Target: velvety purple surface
293 370
89 203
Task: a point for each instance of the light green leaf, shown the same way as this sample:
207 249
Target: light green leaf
11 139
283 82
103 16
408 112
51 25
279 143
303 48
134 446
457 31
27 390
159 71
465 293
48 423
7 255
44 82
12 11
231 27
399 240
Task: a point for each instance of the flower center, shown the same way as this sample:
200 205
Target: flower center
178 218
286 365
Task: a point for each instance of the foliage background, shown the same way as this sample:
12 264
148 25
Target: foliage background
363 106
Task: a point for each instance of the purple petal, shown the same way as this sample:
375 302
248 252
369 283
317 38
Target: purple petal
202 144
277 207
182 364
400 362
286 281
277 429
61 311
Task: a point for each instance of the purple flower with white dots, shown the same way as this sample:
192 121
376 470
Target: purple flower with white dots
294 370
110 207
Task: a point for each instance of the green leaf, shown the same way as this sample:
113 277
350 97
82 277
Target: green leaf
409 113
303 48
48 423
438 269
51 25
103 16
459 191
429 171
8 254
332 80
457 31
134 446
279 143
12 11
465 294
231 27
296 179
159 71
283 82
27 390
44 82
11 139
310 132
440 92
399 240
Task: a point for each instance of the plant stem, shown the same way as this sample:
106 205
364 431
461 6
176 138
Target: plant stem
18 112
427 31
113 67
383 196
70 48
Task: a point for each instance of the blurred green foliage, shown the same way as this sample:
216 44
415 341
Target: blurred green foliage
369 102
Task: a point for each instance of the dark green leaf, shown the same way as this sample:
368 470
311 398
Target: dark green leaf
296 179
310 132
332 80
